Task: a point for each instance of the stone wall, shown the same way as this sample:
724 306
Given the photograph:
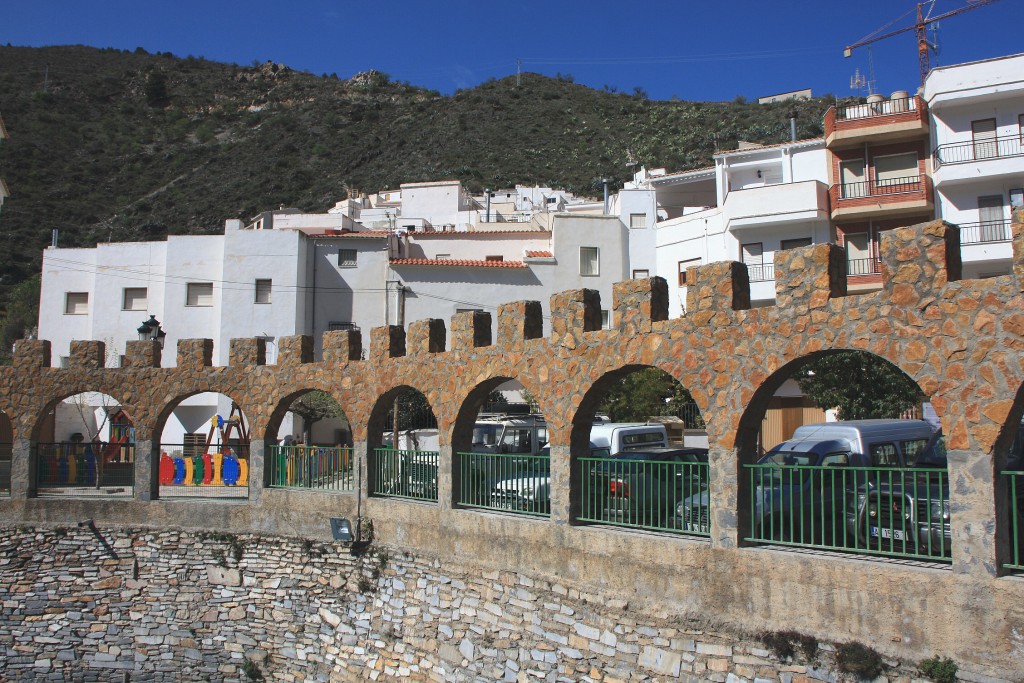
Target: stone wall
170 605
962 341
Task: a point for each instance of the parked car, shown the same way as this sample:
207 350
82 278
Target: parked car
820 487
529 488
628 436
643 487
526 434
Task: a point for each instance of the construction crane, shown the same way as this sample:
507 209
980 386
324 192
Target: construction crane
920 28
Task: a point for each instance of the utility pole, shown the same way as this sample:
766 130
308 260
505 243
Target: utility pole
519 71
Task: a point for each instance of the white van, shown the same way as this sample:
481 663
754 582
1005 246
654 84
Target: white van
628 436
520 434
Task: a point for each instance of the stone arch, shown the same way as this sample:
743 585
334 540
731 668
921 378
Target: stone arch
168 407
284 403
469 408
38 419
376 423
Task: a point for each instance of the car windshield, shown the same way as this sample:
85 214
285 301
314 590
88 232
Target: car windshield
788 458
485 434
932 455
774 476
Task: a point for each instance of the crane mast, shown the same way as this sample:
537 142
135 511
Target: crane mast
920 29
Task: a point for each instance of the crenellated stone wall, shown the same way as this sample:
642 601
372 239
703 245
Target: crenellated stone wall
961 341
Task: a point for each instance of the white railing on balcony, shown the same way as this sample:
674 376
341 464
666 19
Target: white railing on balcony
985 231
871 109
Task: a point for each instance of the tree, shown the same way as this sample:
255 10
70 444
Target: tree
20 313
313 407
642 394
156 90
859 385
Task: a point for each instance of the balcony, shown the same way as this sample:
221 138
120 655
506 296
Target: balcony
966 162
761 272
882 198
903 118
984 232
860 267
776 204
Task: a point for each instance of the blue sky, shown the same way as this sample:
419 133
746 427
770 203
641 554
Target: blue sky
694 50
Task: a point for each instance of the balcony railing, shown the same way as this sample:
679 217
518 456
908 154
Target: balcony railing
899 512
761 272
404 474
978 150
863 266
510 482
645 494
985 231
872 109
874 188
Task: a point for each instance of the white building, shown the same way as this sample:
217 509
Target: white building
289 273
755 201
977 138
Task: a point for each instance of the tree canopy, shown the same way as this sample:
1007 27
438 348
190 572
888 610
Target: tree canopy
643 394
859 385
313 407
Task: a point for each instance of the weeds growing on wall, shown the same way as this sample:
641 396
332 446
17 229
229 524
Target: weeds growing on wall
860 660
785 643
939 669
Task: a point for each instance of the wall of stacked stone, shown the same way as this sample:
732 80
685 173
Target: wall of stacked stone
962 341
171 606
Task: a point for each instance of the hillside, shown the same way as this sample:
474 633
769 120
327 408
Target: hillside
110 145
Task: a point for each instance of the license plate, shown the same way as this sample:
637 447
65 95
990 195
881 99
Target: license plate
885 532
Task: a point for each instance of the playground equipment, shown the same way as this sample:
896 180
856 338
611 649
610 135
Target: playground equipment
218 464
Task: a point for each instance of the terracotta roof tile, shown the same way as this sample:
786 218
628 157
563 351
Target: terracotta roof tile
539 254
450 263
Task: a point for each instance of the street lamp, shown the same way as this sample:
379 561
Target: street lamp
150 329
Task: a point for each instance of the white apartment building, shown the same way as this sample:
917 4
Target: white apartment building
289 273
977 138
755 201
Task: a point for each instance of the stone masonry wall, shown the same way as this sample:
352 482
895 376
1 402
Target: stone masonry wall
183 606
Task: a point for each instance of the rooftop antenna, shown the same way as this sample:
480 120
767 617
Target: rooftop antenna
872 83
857 81
519 71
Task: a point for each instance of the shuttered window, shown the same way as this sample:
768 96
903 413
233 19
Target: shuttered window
76 303
199 294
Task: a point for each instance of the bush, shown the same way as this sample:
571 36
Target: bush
784 644
859 660
940 670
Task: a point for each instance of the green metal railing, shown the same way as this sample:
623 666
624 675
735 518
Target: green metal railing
6 452
899 512
1016 505
404 474
509 482
312 468
85 469
645 494
192 471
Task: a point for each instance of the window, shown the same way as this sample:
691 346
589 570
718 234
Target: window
641 273
983 133
134 299
896 169
798 242
752 253
347 258
1020 127
858 254
637 220
606 319
990 213
65 362
590 261
263 288
199 294
76 303
494 257
444 257
683 265
851 174
884 455
333 326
